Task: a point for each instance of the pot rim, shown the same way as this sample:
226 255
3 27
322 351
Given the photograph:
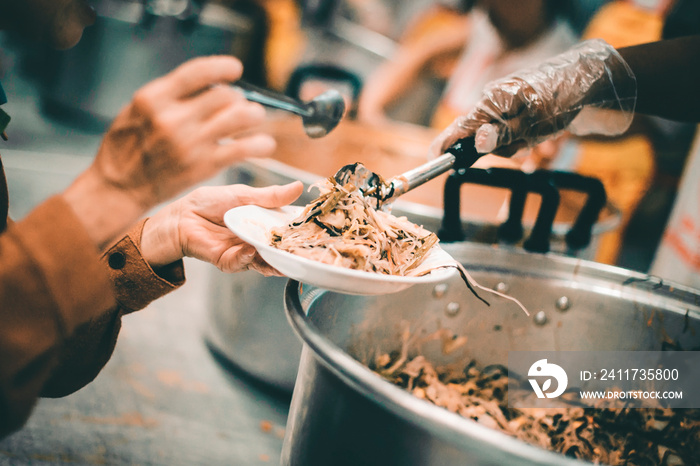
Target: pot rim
450 426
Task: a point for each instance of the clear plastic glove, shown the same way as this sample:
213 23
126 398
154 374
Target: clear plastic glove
193 226
588 89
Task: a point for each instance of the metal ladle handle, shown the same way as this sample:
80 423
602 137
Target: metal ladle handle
462 154
405 182
272 99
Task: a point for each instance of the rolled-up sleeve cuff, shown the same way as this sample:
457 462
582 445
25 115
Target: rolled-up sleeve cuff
136 283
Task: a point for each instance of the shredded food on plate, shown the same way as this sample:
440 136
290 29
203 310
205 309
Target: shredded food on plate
341 227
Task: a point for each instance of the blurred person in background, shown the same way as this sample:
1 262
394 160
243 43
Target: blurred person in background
277 43
497 37
82 259
469 46
593 89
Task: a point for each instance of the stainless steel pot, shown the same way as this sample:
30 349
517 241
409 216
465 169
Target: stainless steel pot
344 414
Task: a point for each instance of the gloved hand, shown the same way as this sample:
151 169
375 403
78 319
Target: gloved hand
588 89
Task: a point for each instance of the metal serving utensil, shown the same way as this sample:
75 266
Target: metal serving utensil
462 154
319 115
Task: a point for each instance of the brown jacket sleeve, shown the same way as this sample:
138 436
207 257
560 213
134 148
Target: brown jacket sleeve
136 285
61 306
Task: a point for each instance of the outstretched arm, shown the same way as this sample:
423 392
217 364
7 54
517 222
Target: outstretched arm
395 77
590 89
668 77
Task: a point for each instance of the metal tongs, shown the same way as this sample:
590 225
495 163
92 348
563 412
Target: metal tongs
460 155
319 115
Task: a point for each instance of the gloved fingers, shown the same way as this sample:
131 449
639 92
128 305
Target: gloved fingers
454 132
517 116
492 137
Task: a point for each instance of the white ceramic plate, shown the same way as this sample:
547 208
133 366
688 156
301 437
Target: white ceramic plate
252 223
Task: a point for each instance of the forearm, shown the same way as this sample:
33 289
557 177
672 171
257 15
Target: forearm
395 78
668 73
389 82
105 211
591 89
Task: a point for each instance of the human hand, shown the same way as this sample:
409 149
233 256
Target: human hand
194 226
167 139
586 90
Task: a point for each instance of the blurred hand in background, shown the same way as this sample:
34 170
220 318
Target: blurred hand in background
167 139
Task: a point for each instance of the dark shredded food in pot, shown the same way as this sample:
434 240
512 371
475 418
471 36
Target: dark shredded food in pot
619 435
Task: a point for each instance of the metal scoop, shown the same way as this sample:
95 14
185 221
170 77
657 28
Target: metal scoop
319 116
460 155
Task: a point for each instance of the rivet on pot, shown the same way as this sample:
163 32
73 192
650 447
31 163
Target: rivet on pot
540 318
452 309
502 287
439 290
563 303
